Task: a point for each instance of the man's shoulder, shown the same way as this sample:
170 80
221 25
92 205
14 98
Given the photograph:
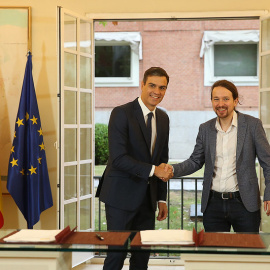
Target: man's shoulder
127 106
162 112
209 123
242 117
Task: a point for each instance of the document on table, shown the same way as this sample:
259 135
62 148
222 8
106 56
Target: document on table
167 237
33 236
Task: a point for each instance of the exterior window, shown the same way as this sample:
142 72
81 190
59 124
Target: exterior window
234 61
112 61
117 58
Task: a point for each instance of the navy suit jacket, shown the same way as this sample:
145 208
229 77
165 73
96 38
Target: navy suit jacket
125 180
251 143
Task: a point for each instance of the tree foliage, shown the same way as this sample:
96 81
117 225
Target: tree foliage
101 144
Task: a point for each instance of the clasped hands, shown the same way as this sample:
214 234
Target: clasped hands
164 172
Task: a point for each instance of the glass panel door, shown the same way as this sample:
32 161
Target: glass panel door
76 123
265 97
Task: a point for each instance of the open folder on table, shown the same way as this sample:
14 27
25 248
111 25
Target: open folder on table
66 237
192 238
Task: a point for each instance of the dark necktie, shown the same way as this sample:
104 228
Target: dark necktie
149 128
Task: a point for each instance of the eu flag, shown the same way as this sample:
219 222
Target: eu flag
28 179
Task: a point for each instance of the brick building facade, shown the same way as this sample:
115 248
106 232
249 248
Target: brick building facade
175 46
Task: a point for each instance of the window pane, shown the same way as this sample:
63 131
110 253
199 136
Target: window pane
265 32
86 142
70 70
70 107
265 105
265 73
85 214
235 60
85 179
112 61
70 32
70 186
85 107
70 214
70 144
85 72
85 36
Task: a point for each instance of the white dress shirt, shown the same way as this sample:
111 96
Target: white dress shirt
224 178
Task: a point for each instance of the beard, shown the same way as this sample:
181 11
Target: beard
223 114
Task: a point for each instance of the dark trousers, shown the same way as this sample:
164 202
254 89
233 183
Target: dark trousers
222 214
120 220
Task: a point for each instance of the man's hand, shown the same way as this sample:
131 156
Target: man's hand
267 207
164 172
162 211
168 167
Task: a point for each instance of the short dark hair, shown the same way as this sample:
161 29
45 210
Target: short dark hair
228 85
155 71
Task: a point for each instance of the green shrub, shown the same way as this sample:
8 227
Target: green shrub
101 144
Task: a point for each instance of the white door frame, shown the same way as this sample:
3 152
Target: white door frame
75 47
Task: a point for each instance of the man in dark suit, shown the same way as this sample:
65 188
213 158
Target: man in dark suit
130 187
228 146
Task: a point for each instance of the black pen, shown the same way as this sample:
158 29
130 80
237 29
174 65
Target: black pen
99 236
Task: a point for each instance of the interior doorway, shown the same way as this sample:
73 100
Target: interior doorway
195 53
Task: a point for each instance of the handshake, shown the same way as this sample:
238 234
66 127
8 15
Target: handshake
164 172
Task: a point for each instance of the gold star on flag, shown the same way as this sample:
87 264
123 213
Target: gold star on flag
39 160
22 172
12 149
34 120
40 132
32 170
20 122
27 116
42 146
14 162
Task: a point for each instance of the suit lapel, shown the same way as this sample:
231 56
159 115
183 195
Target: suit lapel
140 118
241 133
213 140
159 133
